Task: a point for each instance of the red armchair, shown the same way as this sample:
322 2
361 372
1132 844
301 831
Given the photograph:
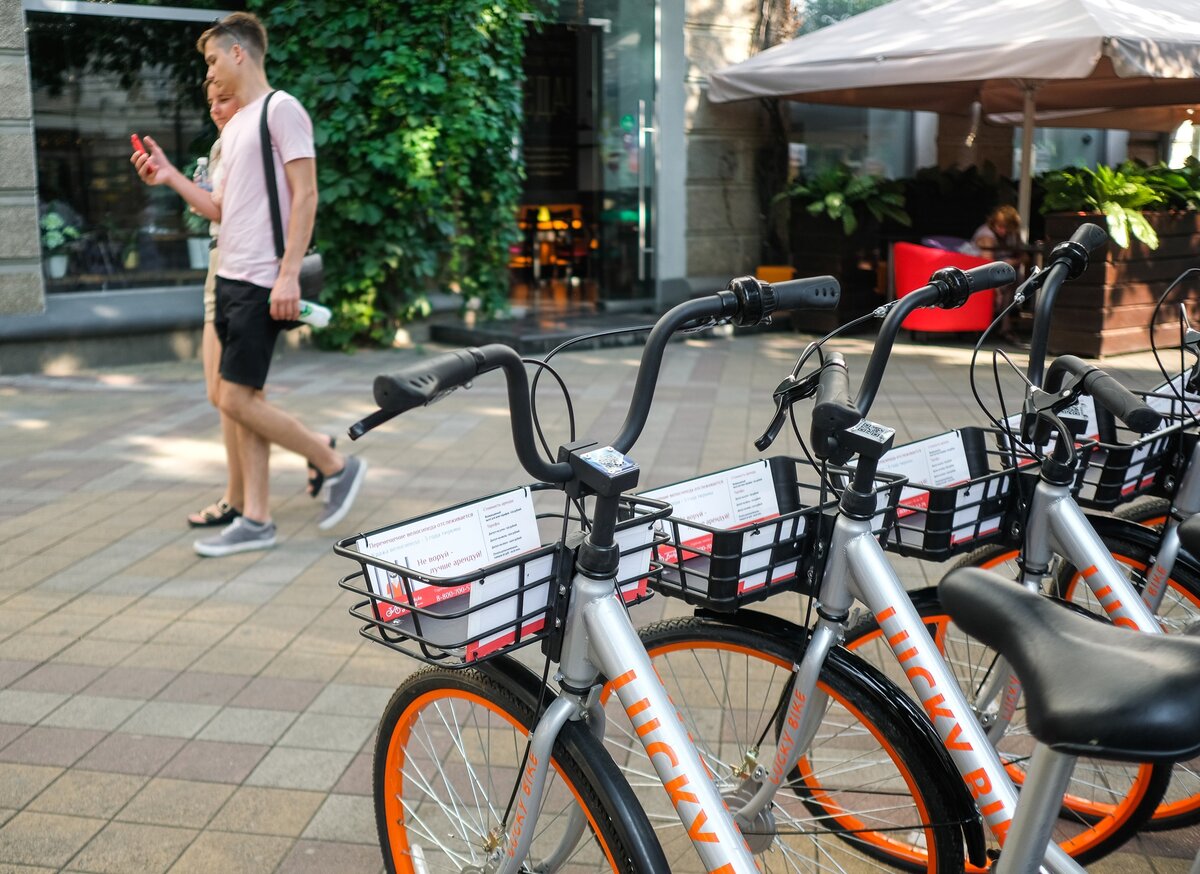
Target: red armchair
911 267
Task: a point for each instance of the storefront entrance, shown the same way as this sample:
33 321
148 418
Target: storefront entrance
586 216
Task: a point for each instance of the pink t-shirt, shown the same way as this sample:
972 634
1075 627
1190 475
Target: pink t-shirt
247 240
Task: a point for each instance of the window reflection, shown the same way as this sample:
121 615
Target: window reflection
96 80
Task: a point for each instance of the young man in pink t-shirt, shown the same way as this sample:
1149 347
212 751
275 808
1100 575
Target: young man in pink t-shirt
258 293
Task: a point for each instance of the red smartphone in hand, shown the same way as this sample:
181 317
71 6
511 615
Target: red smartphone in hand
136 141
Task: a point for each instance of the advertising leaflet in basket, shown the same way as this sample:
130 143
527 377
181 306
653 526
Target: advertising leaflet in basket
469 538
941 462
732 499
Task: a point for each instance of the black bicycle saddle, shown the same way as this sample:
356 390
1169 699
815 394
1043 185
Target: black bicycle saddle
1090 688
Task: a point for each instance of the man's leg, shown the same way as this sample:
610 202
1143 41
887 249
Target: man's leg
211 354
254 455
250 408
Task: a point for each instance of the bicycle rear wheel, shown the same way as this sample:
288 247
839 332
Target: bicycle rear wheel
447 758
1106 802
1178 613
866 791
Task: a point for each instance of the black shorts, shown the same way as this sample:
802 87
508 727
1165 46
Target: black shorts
246 331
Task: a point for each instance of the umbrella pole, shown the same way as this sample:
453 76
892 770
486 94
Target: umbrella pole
1025 192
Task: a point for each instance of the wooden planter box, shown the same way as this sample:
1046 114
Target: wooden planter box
820 247
1107 310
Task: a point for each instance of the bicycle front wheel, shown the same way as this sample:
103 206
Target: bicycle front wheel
866 791
447 759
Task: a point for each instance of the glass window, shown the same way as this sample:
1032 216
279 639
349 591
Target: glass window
96 80
872 141
1057 147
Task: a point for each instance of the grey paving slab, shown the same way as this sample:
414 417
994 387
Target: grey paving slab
39 838
261 810
228 851
346 819
47 745
170 718
324 731
57 677
215 760
88 711
330 857
124 847
248 725
131 753
94 794
182 803
285 768
28 708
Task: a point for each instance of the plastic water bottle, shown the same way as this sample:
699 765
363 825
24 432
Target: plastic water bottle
200 176
314 314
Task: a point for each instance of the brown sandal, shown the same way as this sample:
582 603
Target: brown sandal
220 513
316 479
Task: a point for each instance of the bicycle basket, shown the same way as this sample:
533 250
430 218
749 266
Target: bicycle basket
965 489
743 534
469 582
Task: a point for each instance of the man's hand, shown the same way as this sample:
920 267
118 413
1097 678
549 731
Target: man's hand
152 165
285 298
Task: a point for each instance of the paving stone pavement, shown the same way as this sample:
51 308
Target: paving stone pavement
162 712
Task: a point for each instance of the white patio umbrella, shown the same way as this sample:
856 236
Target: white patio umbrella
1010 56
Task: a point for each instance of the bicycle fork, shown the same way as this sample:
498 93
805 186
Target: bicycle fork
600 639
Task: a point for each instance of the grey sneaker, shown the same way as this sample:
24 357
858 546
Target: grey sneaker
343 489
239 536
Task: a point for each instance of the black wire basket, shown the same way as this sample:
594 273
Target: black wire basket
1126 464
770 550
974 491
442 601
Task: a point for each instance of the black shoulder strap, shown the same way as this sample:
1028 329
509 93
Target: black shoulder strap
269 171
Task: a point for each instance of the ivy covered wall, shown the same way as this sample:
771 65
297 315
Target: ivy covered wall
415 107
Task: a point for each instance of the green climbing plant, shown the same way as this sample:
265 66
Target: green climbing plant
414 109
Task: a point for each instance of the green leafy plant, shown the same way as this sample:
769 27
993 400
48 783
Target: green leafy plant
842 196
1120 193
419 175
57 233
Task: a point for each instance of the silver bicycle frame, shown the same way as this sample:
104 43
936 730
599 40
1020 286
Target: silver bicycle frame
600 639
1186 504
858 567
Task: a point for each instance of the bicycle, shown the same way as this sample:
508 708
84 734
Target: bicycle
1074 708
439 730
854 564
1170 593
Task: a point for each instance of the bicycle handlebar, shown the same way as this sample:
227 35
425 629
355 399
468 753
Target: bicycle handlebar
1067 261
948 288
1106 391
747 301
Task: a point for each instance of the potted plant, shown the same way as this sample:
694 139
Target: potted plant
836 216
1150 214
57 235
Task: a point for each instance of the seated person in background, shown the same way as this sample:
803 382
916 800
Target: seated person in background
999 237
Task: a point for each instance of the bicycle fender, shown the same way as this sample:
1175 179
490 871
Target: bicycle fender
633 825
1107 525
871 680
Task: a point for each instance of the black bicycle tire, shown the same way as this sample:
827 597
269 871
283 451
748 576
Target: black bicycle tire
1156 777
946 833
578 756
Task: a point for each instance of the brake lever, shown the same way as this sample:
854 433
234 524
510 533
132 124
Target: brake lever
790 390
1045 406
1191 342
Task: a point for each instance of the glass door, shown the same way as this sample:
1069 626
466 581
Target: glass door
586 217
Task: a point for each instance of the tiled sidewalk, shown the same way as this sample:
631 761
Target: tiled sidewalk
162 712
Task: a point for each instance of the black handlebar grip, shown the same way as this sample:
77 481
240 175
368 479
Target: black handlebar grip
811 293
422 382
833 410
992 275
1106 391
1090 236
